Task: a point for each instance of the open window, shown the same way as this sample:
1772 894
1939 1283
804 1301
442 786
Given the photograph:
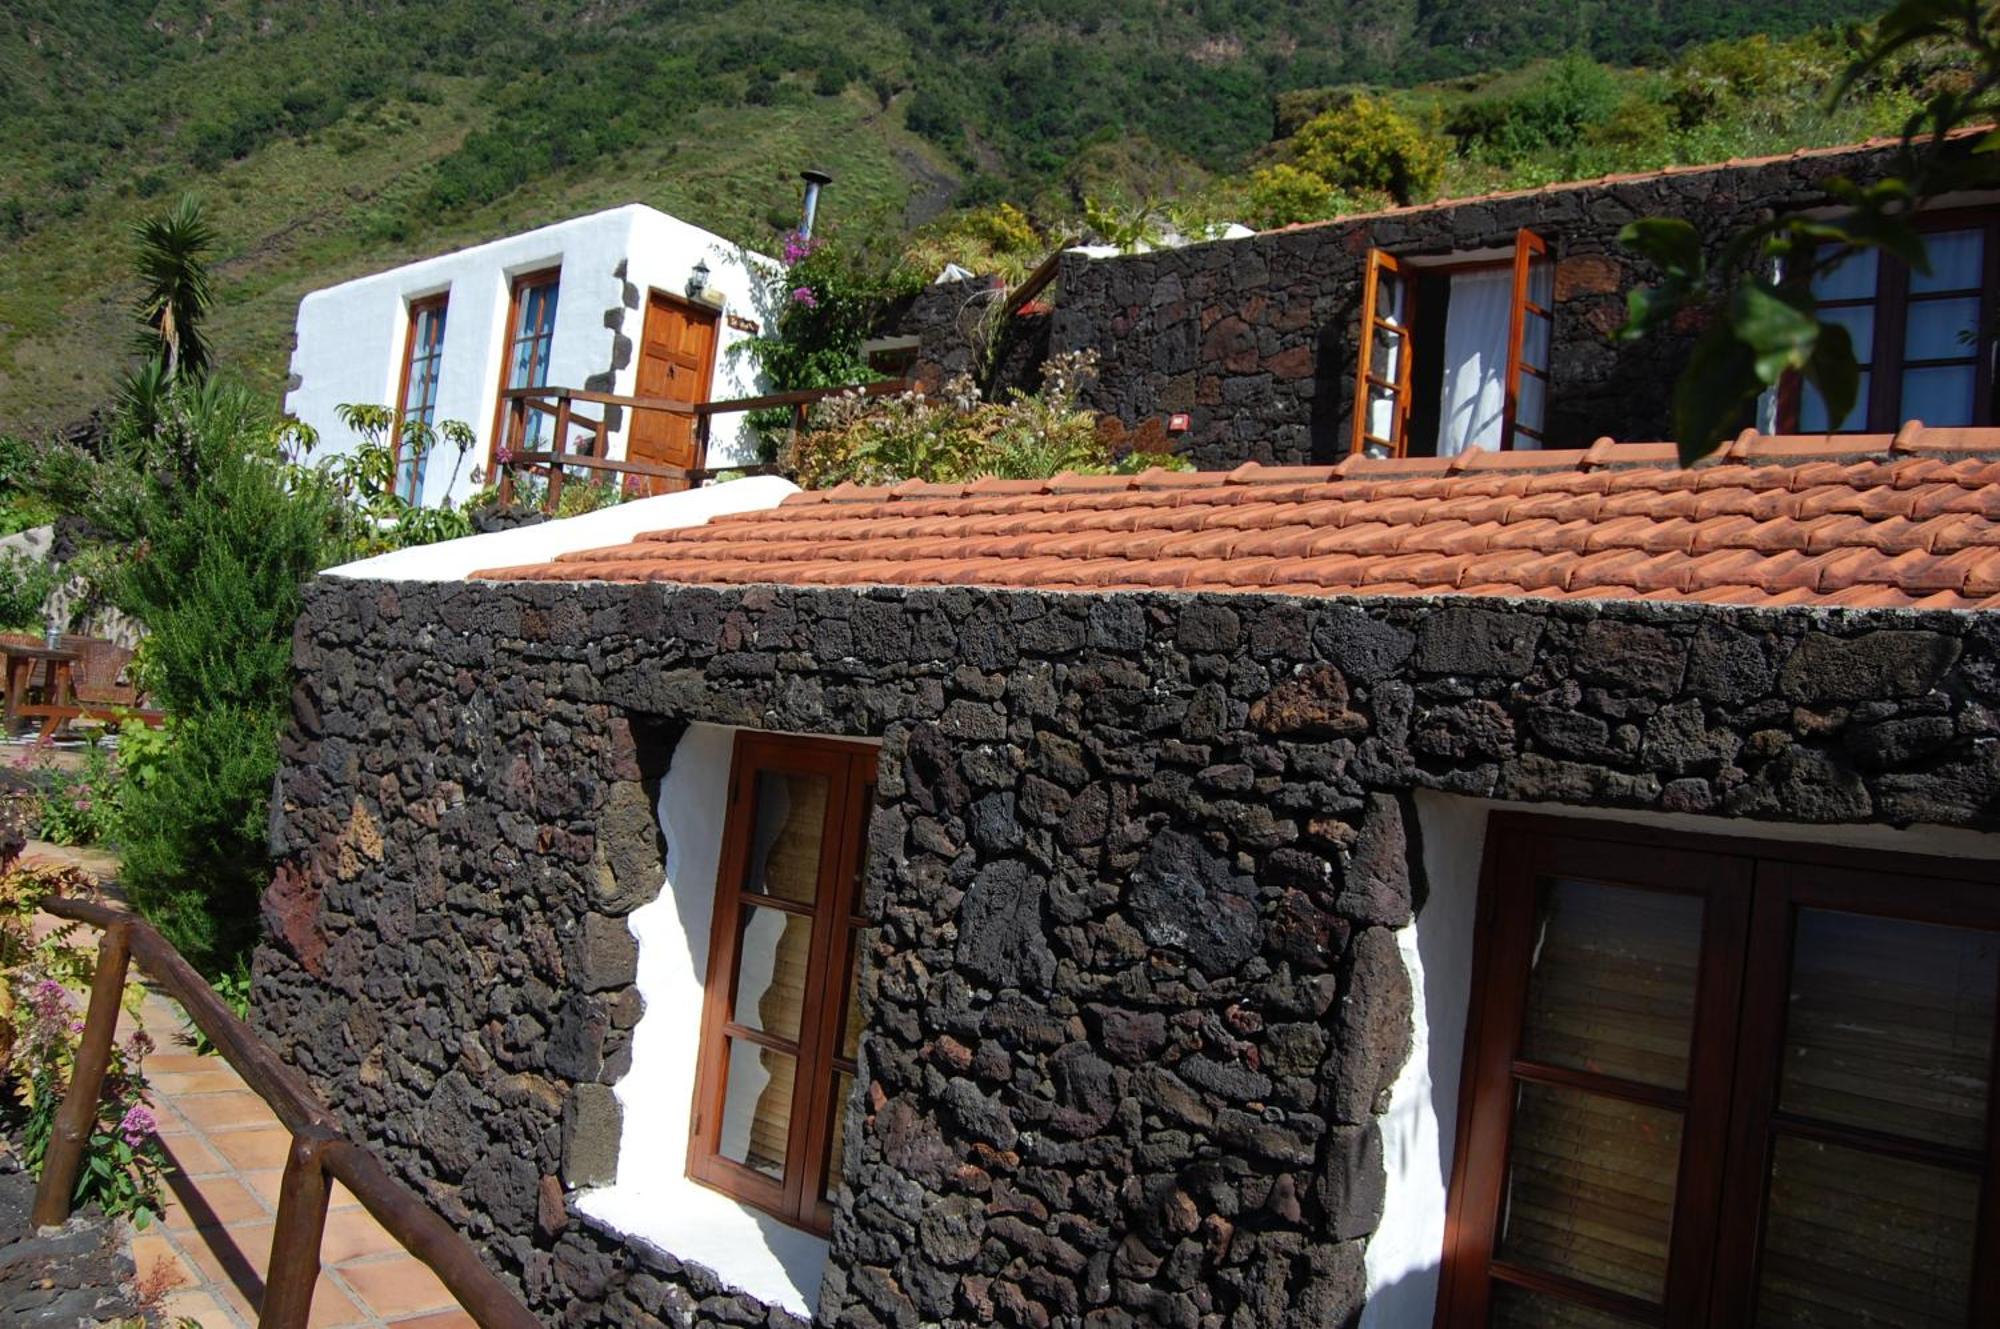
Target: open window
1726 1084
416 394
1455 351
1925 342
780 1027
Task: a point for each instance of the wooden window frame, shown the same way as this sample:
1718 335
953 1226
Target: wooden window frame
1752 889
1529 249
1380 261
413 320
800 1198
1884 359
510 338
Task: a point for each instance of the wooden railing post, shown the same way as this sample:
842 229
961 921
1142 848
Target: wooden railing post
77 1117
561 446
293 1271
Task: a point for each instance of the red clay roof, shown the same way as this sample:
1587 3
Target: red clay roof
1869 520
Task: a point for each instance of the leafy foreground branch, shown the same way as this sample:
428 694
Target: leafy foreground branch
1755 299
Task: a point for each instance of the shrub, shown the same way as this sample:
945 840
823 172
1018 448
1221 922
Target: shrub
25 584
1282 194
1574 95
79 806
1369 145
956 435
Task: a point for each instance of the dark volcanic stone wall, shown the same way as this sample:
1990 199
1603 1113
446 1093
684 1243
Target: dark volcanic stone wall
1255 338
1134 997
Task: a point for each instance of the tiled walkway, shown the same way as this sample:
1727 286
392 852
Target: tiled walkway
208 1256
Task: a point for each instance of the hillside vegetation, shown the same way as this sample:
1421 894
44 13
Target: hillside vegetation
334 137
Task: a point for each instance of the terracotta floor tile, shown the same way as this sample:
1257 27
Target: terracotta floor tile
213 1112
203 1308
264 1147
202 1202
352 1234
440 1320
396 1285
268 1181
179 1083
157 1265
333 1308
191 1155
166 1062
233 1256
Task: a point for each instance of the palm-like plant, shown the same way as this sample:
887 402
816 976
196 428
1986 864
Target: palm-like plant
173 265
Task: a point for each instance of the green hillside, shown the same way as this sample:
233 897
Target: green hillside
335 137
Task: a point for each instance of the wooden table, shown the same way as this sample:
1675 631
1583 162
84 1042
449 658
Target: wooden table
21 662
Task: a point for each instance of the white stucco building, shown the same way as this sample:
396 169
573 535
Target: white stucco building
629 301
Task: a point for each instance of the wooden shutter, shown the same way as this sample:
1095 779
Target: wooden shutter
1382 369
1529 340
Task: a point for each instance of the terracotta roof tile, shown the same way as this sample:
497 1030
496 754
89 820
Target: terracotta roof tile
1912 520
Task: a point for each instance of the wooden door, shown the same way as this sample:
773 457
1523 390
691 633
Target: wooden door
676 362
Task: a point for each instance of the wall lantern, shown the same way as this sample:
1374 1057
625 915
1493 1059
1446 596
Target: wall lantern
698 282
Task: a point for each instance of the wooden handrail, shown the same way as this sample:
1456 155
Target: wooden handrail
319 1147
1032 285
556 402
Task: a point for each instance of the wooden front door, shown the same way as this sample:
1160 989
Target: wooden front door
677 362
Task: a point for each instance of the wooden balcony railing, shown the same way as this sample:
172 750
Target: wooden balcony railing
577 441
319 1148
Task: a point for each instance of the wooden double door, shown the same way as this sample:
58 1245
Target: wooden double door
677 363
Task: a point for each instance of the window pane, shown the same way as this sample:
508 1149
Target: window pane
757 1107
1518 1308
1852 278
843 1089
1542 283
1390 298
1942 329
1939 396
774 952
1612 987
1590 1188
1812 410
1890 1026
1859 320
785 840
1852 1238
1535 339
850 1037
1957 262
1532 404
1385 354
1382 413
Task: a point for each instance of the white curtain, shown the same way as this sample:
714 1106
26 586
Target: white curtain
1475 360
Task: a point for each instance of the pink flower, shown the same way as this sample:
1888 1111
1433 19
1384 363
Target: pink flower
803 295
137 1125
140 1045
502 456
50 999
798 247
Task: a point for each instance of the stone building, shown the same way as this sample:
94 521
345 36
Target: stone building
1250 349
1522 887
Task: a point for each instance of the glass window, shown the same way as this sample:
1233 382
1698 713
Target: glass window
423 359
1727 1086
782 1031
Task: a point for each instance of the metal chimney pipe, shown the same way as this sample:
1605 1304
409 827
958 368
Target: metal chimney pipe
815 179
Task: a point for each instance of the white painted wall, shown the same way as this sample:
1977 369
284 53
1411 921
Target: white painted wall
350 337
1404 1255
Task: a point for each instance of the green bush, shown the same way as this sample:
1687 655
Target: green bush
1282 194
25 584
1574 95
1370 145
195 860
